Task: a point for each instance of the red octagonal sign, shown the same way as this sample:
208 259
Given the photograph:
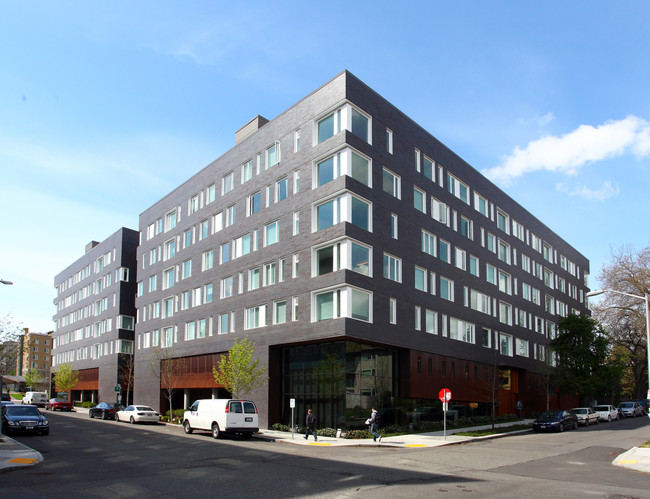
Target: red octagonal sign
445 395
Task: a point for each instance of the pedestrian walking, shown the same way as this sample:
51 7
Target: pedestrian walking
518 408
310 423
374 425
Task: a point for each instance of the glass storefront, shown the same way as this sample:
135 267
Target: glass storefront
339 381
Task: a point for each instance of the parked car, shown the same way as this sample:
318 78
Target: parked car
35 398
606 412
24 419
58 405
138 414
6 402
222 416
644 404
5 397
631 409
104 410
559 420
585 415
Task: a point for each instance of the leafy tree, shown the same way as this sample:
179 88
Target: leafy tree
65 378
584 365
624 316
9 341
164 366
237 372
32 378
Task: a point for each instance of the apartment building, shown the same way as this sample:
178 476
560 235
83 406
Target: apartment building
369 263
95 317
35 354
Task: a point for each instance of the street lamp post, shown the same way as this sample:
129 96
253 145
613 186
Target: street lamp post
645 298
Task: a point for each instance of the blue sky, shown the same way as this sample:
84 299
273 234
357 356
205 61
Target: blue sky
105 108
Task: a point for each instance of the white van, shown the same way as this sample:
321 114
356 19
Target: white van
35 398
222 416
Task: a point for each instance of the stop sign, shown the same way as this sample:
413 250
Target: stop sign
445 395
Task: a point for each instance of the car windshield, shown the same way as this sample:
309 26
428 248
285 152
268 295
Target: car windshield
579 411
548 415
601 408
17 410
143 408
626 405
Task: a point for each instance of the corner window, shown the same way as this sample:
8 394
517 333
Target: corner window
344 118
345 254
344 208
389 141
343 302
344 162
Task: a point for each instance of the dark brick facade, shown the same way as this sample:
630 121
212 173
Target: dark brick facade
89 337
402 336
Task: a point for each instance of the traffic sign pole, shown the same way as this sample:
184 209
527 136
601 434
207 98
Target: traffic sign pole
445 396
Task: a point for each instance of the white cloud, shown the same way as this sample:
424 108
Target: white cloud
570 152
605 191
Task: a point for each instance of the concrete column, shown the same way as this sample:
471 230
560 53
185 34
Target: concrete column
186 398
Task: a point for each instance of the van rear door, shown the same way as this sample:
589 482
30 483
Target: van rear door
250 415
235 416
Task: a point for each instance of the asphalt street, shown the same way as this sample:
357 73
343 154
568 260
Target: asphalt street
95 458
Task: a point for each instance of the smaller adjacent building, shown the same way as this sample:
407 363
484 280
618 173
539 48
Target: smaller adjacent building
35 356
95 318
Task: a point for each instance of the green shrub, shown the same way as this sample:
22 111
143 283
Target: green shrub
326 432
178 416
86 404
357 434
280 427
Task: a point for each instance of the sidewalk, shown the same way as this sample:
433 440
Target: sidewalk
637 458
14 455
413 440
